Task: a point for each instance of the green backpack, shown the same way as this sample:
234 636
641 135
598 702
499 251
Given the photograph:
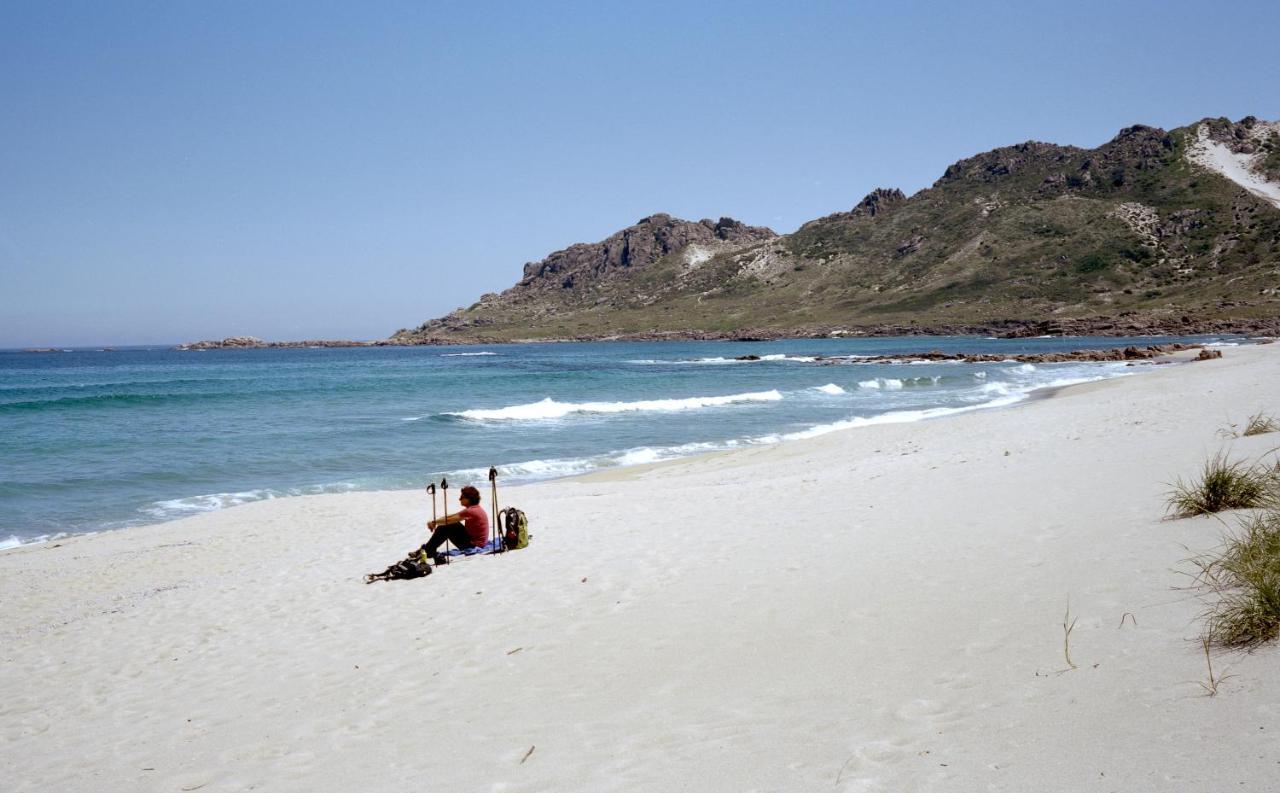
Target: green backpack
515 529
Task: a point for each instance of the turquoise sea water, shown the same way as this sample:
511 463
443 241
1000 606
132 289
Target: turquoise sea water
92 440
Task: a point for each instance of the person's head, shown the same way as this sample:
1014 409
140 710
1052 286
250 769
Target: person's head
469 496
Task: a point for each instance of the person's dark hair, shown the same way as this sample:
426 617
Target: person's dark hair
471 495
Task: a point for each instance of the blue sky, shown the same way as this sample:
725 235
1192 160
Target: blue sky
173 171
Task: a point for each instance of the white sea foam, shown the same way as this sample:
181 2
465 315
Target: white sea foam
464 354
1025 368
15 541
178 507
1002 389
830 388
886 383
553 468
550 409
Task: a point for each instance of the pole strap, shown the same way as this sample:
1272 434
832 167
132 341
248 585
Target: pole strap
493 514
444 496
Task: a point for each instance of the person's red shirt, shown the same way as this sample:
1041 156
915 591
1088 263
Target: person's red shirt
477 523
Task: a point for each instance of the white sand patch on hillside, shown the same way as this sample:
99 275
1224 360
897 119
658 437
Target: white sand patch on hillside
1239 168
694 256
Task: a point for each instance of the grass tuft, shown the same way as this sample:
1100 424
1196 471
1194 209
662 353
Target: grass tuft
1260 424
1246 580
1225 485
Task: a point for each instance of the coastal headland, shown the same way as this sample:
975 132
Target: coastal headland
883 608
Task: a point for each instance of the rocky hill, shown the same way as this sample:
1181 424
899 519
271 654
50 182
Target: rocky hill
1153 231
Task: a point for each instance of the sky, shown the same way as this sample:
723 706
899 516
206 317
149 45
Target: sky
174 171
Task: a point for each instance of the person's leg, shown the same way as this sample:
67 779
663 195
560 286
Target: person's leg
455 533
438 537
458 536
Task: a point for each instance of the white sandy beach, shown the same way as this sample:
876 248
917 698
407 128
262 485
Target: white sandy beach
878 609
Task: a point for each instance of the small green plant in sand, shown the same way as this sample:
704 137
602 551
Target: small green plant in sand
1210 687
1222 485
1068 625
1244 580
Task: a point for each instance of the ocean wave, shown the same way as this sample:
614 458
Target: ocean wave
886 383
464 354
107 400
898 417
169 509
830 388
550 409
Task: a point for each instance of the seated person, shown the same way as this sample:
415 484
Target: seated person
466 528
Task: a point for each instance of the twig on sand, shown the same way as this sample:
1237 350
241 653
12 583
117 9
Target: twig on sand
526 754
1128 614
840 773
1066 634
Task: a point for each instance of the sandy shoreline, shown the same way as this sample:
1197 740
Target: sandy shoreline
873 609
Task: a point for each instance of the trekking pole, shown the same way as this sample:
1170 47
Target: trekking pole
493 486
431 488
444 496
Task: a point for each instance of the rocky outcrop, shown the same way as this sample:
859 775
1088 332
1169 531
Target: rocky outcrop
1006 161
229 343
632 248
878 202
585 274
254 343
1130 353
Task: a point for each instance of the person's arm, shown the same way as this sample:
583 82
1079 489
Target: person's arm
454 518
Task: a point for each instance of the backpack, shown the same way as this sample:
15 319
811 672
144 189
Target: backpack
414 565
515 529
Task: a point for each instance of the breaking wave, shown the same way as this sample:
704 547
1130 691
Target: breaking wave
550 409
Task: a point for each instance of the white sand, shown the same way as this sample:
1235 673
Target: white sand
873 610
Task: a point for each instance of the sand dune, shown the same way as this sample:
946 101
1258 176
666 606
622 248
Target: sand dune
878 609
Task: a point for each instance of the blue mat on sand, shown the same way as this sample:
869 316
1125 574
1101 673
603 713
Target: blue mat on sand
488 547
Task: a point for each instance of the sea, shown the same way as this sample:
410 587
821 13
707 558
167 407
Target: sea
98 439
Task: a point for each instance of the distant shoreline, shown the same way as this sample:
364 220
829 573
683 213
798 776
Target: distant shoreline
1012 329
654 336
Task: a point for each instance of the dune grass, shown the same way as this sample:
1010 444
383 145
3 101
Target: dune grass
1245 580
1260 424
1224 485
1257 424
